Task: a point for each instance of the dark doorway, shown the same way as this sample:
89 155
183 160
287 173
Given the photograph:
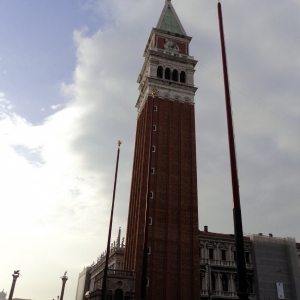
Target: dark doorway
118 294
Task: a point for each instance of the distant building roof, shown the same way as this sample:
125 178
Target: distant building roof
2 295
220 235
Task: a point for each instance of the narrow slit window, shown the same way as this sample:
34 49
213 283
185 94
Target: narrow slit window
152 170
150 221
148 281
153 148
154 127
155 108
151 195
149 250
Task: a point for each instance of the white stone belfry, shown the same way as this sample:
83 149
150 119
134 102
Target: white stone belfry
168 67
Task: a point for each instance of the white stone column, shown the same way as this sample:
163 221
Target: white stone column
231 284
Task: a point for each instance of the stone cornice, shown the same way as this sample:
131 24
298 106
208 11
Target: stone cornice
166 87
177 57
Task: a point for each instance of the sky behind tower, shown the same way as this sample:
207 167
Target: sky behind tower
68 72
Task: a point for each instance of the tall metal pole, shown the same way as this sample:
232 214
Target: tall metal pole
237 215
110 226
64 280
146 228
15 277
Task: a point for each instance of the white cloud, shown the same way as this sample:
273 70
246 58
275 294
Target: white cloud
56 106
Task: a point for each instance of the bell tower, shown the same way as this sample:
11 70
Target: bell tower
173 254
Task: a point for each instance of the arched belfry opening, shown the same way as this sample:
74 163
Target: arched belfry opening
182 77
175 75
168 74
160 72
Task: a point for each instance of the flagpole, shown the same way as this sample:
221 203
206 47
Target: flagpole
110 226
237 214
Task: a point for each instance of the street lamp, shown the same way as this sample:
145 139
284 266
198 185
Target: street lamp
64 280
15 277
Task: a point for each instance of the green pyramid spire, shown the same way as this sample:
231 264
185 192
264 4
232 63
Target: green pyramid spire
169 20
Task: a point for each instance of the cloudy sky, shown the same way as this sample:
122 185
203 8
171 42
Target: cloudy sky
68 71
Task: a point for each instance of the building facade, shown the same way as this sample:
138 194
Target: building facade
120 283
277 271
269 260
3 295
218 275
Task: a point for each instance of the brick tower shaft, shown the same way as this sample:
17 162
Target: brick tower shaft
173 261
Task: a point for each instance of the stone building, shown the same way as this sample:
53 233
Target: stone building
120 283
269 260
276 262
3 295
218 265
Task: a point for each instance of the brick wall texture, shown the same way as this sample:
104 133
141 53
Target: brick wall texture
173 265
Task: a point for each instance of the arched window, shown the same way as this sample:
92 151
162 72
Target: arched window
225 283
175 75
201 278
127 296
160 72
250 285
213 282
118 294
168 74
110 295
182 77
